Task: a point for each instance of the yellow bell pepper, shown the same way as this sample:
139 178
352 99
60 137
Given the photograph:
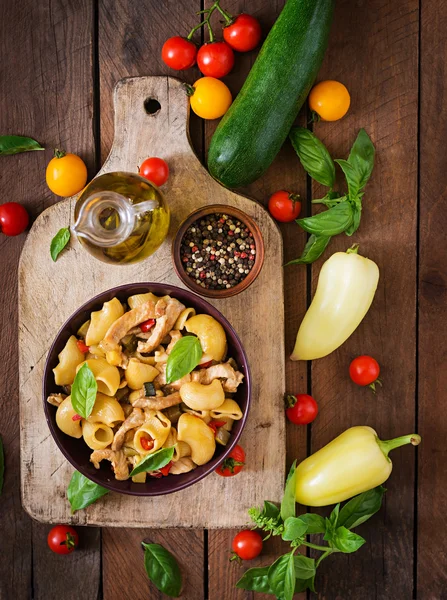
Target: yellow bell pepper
354 462
345 291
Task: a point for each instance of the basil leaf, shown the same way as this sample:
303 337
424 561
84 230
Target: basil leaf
83 391
277 574
2 465
314 248
361 157
14 144
315 523
162 569
346 541
304 567
361 508
184 357
82 492
357 213
59 242
313 155
289 580
305 584
294 528
331 524
330 222
255 580
270 511
288 501
154 461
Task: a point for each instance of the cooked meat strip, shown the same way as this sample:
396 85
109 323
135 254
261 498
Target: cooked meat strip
176 385
175 337
56 399
158 402
118 460
223 371
130 319
182 465
163 326
135 419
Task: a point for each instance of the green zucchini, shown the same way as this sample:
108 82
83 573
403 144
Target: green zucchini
257 123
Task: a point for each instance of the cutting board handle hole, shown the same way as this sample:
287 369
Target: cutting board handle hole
152 106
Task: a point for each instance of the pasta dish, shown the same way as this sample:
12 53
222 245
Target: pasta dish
132 352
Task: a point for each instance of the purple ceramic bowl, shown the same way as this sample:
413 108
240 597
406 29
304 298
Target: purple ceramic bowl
78 453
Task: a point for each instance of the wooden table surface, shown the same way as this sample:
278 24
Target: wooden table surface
59 63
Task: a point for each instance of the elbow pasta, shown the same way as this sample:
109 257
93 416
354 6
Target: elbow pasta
126 422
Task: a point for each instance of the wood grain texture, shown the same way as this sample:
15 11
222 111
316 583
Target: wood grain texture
124 562
381 73
432 488
284 173
45 92
207 503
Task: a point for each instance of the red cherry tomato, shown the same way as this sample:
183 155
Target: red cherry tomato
13 218
147 325
301 409
215 59
243 34
365 370
165 470
233 464
62 539
247 544
284 206
179 53
146 443
82 346
214 425
155 169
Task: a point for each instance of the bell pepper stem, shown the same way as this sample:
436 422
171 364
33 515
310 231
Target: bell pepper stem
387 445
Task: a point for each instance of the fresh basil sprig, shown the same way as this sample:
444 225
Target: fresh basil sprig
153 462
185 357
14 144
59 242
82 492
277 578
2 464
83 391
344 210
162 569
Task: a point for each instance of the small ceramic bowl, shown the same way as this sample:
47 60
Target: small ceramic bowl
241 216
78 453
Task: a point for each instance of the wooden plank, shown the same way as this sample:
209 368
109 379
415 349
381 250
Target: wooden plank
45 92
284 173
130 41
123 562
373 50
432 491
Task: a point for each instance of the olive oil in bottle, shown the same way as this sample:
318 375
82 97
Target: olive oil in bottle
121 218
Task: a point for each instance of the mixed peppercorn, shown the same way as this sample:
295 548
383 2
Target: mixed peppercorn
218 251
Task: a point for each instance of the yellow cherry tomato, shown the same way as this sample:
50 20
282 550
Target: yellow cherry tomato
330 100
66 174
210 98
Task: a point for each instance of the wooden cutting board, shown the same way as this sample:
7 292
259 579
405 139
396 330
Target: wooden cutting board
50 292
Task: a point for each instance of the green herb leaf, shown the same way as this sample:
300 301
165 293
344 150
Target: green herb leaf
330 222
289 580
288 501
270 510
316 245
184 357
330 199
294 528
2 465
357 213
255 580
361 157
304 567
83 391
153 462
347 541
315 523
82 492
59 242
162 569
277 574
305 584
14 144
360 508
333 517
313 155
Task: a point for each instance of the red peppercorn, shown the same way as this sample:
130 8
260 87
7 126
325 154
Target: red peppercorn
194 248
185 259
252 246
231 232
237 254
202 275
213 257
244 255
221 220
